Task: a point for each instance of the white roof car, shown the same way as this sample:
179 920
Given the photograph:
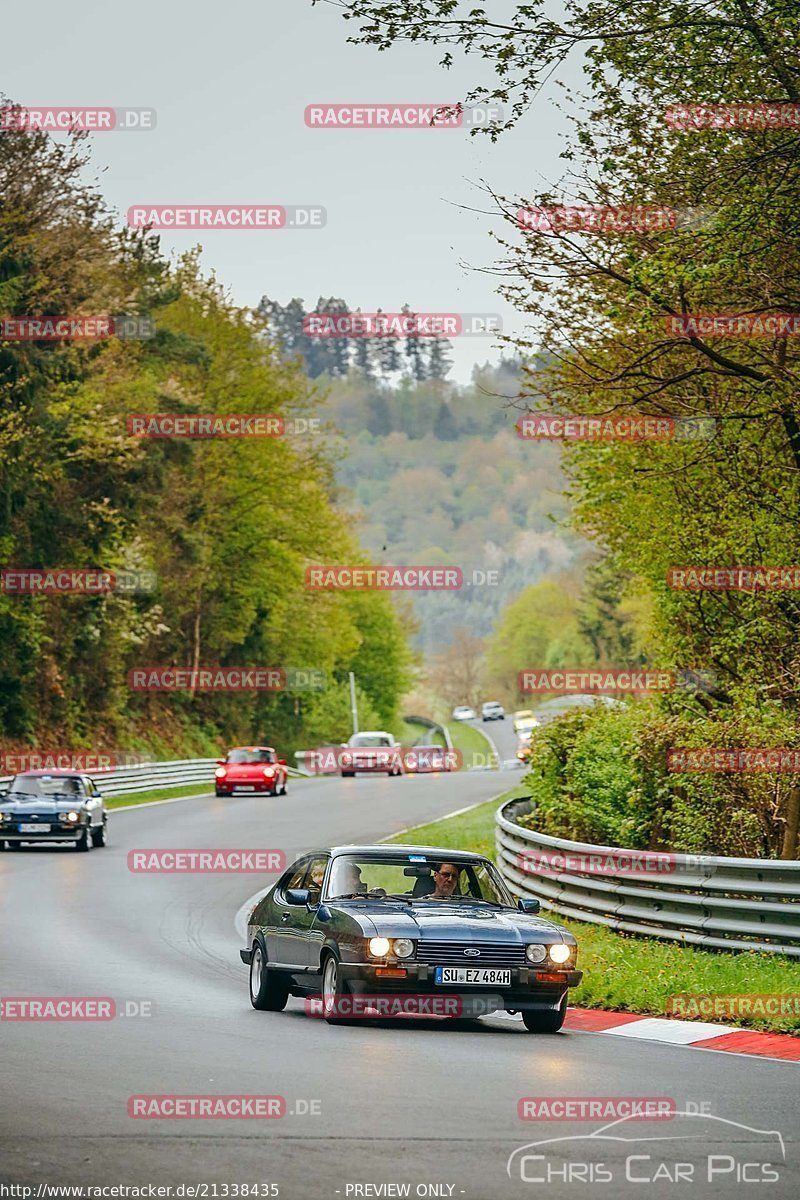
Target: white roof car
463 712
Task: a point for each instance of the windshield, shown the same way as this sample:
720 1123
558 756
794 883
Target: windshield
429 881
251 756
370 739
45 785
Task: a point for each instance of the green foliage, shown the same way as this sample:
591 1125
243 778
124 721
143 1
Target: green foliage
228 526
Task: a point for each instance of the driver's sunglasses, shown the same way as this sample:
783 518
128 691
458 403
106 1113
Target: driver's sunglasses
448 874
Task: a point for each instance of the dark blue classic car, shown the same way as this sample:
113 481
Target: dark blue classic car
52 806
364 922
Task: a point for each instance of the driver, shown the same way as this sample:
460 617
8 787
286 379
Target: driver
446 879
347 881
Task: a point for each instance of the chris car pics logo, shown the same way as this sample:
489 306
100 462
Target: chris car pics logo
695 1148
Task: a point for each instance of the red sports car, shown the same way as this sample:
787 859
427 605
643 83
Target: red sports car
251 769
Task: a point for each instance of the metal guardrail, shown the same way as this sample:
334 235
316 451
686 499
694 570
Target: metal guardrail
147 777
718 903
427 723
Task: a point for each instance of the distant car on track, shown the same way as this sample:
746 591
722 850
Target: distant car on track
53 806
373 751
418 759
521 716
492 711
251 769
412 921
463 712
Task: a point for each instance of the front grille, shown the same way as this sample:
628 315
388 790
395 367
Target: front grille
492 954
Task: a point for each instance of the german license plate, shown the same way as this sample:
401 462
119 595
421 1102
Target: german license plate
480 975
34 828
244 787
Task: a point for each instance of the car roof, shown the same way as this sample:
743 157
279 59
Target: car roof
62 772
395 850
250 748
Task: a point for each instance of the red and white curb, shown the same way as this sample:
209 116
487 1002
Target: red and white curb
701 1035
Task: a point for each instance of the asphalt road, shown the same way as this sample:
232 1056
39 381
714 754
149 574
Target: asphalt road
402 1103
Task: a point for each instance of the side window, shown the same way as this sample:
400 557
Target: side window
294 877
91 790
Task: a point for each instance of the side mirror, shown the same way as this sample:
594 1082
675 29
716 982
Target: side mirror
297 896
221 762
282 762
528 906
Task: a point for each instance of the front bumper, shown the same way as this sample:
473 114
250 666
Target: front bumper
526 989
10 834
266 785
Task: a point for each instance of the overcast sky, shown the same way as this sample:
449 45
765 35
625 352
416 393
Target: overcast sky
230 82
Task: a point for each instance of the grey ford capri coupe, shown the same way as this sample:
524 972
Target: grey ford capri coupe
359 923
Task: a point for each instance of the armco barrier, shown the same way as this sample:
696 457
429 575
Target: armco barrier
719 903
147 777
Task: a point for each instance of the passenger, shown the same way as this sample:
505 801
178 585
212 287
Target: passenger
446 879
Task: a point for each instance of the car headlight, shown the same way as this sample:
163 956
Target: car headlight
220 772
72 816
560 953
403 947
3 817
536 953
269 772
379 947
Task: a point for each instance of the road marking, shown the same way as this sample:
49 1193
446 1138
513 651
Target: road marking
680 1033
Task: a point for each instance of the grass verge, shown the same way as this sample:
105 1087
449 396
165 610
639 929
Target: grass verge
640 975
167 793
475 748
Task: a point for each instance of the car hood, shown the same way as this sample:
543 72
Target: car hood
457 923
40 806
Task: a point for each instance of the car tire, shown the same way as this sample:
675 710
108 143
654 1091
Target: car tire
549 1021
220 792
100 836
13 845
348 774
84 842
268 991
333 984
283 789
